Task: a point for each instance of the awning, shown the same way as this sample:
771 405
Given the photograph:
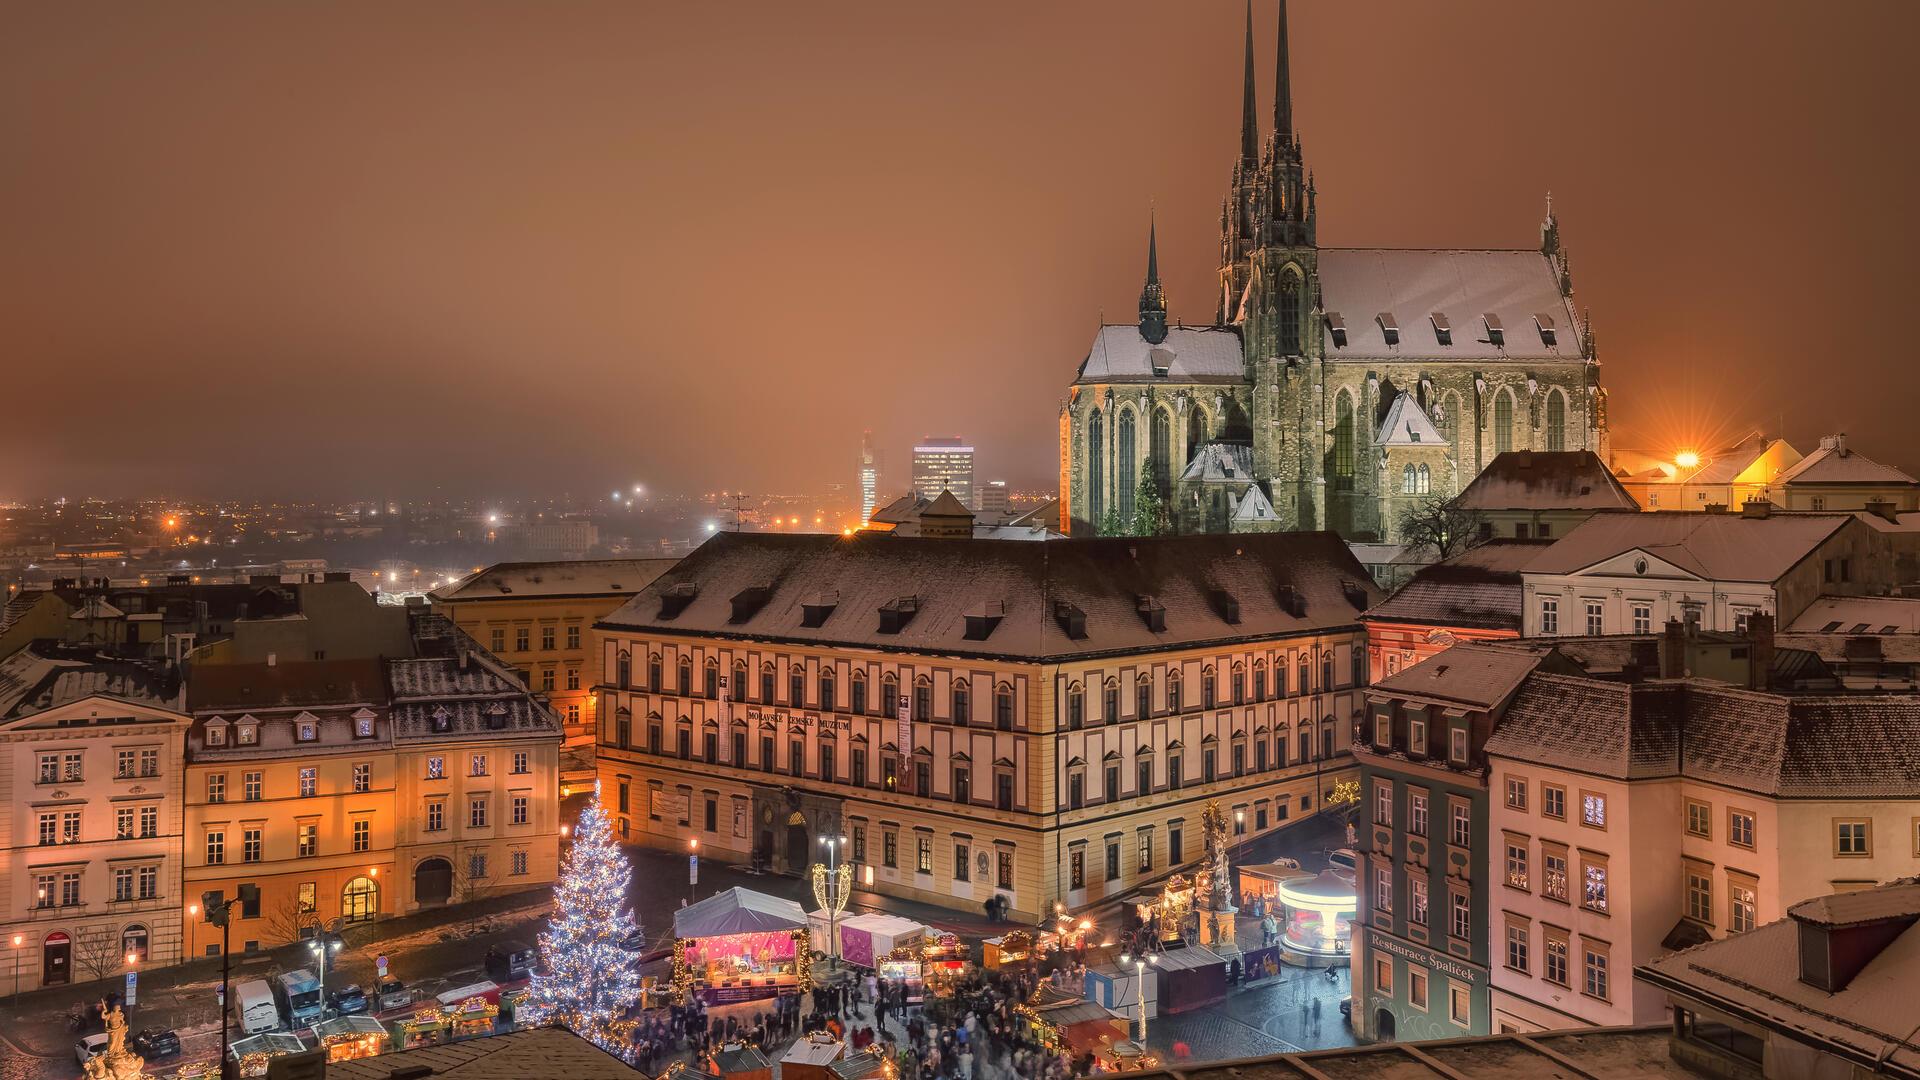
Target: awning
737 911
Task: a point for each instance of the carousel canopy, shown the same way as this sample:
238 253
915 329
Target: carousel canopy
737 911
1328 888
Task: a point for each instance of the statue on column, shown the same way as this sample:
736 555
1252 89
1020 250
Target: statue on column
116 1062
1218 877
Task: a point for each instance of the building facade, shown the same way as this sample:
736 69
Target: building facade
90 770
1039 722
1346 386
943 465
1835 477
869 478
1473 596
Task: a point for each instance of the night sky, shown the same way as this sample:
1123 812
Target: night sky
516 248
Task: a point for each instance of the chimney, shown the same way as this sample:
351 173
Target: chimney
1760 633
1673 650
1882 508
1756 509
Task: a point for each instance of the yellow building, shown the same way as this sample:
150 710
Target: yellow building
358 789
1730 476
1040 722
1837 478
539 616
90 768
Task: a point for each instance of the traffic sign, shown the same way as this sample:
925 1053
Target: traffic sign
380 963
133 986
693 869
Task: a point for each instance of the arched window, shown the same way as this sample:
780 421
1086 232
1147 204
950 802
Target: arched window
1326 670
1502 422
710 673
1160 449
133 944
1425 481
858 704
826 689
1208 696
1408 481
1173 691
767 683
923 699
654 682
1003 707
1198 431
686 676
1128 468
623 669
1076 707
360 900
1556 421
962 702
1289 307
1343 442
737 688
1096 469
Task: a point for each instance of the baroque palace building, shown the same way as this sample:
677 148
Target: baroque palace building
1040 721
1337 388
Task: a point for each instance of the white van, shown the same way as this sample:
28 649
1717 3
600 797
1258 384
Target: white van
253 1003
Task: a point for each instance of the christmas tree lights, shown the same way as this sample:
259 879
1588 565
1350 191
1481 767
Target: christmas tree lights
585 980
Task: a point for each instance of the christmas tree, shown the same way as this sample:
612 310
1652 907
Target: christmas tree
585 980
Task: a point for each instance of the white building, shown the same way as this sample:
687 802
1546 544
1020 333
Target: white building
1630 573
943 465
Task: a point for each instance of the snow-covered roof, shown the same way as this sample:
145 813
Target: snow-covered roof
1410 285
1835 464
1475 674
1220 463
1860 615
564 577
737 911
1714 547
1190 354
1543 480
1253 506
1407 425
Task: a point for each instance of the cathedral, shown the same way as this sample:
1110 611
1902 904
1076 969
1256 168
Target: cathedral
1337 388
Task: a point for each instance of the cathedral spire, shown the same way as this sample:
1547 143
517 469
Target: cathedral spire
1282 86
1249 122
1153 299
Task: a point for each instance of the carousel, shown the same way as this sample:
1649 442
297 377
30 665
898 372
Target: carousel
1317 919
739 945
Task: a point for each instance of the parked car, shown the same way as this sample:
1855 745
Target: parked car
348 1001
156 1043
1344 860
636 941
87 1048
393 994
509 961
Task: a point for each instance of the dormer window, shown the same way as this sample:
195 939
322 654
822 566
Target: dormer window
216 732
1389 327
363 724
442 719
982 620
306 730
1496 333
1442 329
815 609
1153 613
1337 326
247 734
1548 334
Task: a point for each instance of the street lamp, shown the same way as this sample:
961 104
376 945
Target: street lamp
323 945
1139 989
693 865
832 888
219 914
18 940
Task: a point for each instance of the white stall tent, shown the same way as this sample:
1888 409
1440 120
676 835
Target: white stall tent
881 934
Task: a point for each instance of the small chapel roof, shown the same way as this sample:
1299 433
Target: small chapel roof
1190 354
1220 463
1407 425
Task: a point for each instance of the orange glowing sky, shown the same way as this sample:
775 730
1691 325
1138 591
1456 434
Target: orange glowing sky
489 247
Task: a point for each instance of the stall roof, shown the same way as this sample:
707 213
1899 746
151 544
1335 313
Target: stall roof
273 1042
891 925
349 1025
741 1058
861 1066
737 911
814 1050
1077 1013
1193 956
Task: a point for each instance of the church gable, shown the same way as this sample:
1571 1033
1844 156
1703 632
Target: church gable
1639 563
1407 425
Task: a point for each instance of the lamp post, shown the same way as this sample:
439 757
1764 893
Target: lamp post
323 945
832 892
18 940
1139 990
693 866
218 912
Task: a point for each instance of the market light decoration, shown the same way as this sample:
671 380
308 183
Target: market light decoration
584 980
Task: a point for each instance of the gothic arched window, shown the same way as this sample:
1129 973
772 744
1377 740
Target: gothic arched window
1407 481
1160 447
1502 422
1425 482
1289 315
1556 421
1096 471
1123 493
1343 443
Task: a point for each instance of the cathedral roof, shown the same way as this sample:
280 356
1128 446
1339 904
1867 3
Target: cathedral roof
1410 285
1220 463
1254 507
1189 355
1407 425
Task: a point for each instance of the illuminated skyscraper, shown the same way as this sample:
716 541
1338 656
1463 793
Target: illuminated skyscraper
943 465
869 478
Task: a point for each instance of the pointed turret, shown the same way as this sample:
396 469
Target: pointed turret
1249 122
1153 299
1550 230
1282 86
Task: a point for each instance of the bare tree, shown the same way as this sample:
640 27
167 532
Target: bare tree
469 886
97 953
292 920
1440 526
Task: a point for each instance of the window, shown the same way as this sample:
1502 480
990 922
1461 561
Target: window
1417 987
573 637
497 639
1382 803
362 834
149 885
436 768
1111 789
1700 895
309 781
519 864
1076 790
477 866
1113 861
248 734
766 685
1076 707
1593 894
1699 819
1173 692
1596 618
684 671
1517 948
546 638
1343 443
1516 865
1503 422
890 848
1176 845
1383 975
123 822
123 883
710 679
1460 916
1595 967
1460 832
309 836
1553 874
1003 869
858 703
250 839
1417 813
796 757
1003 708
923 856
1459 1004
69 888
477 765
217 787
1146 850
797 686
826 690
1173 772
1642 618
1417 900
859 843
1260 681
1143 698
1553 801
1383 889
123 765
1417 734
436 816
1593 809
1145 777
1740 828
548 679
1457 745
1077 868
827 764
49 829
1740 907
250 786
520 638
1549 615
1852 838
1516 793
216 735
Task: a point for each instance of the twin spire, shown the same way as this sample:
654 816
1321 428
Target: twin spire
1282 94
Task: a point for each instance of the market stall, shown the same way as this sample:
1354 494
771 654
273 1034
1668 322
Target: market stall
944 961
1318 916
739 945
424 1028
1006 950
471 1016
864 938
1190 978
348 1037
812 1057
1120 986
739 1061
1065 1023
1167 914
902 969
251 1054
869 1064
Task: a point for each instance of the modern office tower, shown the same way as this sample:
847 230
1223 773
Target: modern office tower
869 478
943 465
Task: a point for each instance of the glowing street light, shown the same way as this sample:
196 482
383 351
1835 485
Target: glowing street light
1686 459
